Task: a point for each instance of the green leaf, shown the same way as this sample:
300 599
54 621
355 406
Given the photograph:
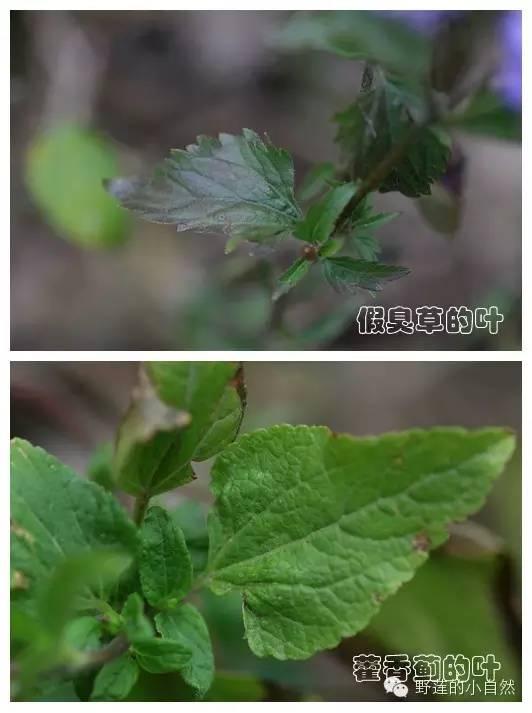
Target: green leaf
148 456
165 567
239 185
136 624
115 680
191 519
100 467
316 181
64 171
321 218
88 574
379 121
57 515
294 274
346 275
367 248
181 412
187 627
161 655
487 115
417 619
214 395
372 220
359 35
317 529
83 633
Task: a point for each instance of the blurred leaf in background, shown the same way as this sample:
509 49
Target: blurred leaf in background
450 607
65 167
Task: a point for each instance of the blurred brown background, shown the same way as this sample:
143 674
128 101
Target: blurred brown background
70 408
147 81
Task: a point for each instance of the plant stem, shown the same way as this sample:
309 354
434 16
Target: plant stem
115 648
139 510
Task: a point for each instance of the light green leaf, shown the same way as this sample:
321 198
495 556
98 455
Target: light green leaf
487 115
214 395
186 626
317 529
347 275
83 633
379 121
147 456
372 220
239 185
136 624
294 274
115 680
165 567
87 574
161 655
360 36
316 181
181 412
56 515
366 246
64 172
321 218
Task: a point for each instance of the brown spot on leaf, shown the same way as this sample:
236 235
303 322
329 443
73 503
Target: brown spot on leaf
421 542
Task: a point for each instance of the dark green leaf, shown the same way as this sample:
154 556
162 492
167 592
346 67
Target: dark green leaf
115 680
186 626
347 275
321 218
239 185
165 567
377 123
64 172
317 529
296 272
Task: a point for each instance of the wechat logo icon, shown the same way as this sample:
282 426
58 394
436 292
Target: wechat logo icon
394 685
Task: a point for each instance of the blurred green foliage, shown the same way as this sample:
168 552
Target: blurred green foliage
65 168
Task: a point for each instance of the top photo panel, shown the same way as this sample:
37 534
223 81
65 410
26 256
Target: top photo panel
266 180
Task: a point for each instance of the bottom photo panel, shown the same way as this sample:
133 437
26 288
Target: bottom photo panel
297 531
